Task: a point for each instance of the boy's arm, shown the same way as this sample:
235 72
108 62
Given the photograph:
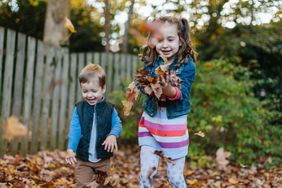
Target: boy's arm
116 124
74 132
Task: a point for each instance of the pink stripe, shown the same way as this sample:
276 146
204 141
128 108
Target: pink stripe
174 144
162 127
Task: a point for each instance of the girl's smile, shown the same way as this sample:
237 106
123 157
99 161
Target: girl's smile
169 44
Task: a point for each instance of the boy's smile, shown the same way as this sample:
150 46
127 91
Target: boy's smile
92 92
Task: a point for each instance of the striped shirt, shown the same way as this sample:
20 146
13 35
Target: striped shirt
167 135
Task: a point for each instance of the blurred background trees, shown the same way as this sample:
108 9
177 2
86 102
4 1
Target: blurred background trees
241 40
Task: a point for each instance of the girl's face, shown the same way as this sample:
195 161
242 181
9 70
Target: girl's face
169 42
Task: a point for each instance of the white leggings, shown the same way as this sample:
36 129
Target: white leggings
149 164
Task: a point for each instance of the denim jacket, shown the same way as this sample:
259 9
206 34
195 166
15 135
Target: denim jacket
180 106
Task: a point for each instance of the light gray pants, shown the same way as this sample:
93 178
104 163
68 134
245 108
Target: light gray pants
149 165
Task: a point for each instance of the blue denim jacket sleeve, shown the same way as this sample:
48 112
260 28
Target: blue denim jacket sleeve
116 124
75 131
187 74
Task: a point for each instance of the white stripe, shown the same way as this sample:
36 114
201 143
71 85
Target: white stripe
165 121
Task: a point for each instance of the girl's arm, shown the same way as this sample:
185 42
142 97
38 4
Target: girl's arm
74 132
187 76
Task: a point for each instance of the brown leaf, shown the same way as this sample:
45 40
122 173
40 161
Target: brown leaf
127 105
14 129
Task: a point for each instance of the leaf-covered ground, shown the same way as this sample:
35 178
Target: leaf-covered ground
48 169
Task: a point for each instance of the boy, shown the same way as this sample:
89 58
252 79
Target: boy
94 128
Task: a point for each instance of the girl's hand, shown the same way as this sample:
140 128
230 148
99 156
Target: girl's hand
70 158
168 90
110 143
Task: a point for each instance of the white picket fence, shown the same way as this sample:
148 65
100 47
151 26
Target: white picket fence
39 85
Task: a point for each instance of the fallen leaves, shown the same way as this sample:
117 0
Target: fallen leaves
49 169
13 128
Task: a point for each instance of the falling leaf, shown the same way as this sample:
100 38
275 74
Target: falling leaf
221 160
201 134
127 105
14 129
69 25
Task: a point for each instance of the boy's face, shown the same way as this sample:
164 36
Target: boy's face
92 92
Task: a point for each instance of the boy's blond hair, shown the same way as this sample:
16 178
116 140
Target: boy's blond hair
90 71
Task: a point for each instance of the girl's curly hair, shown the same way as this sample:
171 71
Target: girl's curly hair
150 54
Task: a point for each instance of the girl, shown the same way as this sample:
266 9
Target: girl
163 125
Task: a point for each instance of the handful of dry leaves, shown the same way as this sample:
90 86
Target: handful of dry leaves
150 83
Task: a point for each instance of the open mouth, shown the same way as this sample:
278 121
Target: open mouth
166 52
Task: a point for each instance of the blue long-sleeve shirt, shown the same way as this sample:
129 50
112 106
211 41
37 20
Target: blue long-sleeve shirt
75 132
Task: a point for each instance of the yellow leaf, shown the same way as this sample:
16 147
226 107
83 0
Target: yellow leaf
69 25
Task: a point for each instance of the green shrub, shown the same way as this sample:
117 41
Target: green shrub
224 107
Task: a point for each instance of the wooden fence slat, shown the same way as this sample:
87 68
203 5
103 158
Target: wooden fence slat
8 80
104 60
18 84
89 58
117 78
2 32
123 66
48 73
37 96
109 73
55 100
128 66
97 58
28 90
72 86
81 60
63 97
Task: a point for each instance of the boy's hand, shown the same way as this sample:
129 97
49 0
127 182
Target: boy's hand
70 158
110 143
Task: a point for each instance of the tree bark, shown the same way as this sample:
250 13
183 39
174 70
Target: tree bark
55 32
107 25
127 25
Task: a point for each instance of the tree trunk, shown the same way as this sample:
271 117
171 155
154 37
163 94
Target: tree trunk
107 25
55 32
127 25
